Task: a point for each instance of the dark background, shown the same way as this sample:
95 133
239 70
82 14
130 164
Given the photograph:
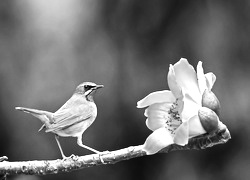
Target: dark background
47 48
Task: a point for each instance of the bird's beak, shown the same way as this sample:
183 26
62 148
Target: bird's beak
99 86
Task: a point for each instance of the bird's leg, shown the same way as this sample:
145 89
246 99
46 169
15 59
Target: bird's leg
59 145
79 142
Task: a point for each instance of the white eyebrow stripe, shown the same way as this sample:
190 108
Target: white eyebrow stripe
88 92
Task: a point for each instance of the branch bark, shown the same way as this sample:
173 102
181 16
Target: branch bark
72 163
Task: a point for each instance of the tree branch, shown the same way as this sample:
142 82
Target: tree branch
72 163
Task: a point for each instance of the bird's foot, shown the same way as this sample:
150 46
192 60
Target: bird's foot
74 157
3 176
101 154
3 158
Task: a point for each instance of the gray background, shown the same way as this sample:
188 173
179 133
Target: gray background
47 48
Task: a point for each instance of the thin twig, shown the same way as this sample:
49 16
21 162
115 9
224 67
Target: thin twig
72 163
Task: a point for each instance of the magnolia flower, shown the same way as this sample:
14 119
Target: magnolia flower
173 115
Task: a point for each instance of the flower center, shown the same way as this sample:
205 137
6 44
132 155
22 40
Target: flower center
173 119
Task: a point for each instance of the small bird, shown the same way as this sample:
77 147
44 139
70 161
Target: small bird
73 118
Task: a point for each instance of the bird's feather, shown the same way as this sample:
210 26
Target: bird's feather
45 116
65 124
68 116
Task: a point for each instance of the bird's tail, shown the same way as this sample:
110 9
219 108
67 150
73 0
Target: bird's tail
29 110
45 116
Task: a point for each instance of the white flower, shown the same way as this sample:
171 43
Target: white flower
173 115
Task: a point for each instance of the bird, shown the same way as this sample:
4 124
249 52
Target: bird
73 118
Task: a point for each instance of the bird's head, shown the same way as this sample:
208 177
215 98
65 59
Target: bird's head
87 89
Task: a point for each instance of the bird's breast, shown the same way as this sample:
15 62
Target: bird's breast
80 124
94 109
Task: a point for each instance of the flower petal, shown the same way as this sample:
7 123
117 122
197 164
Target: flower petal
154 125
173 86
156 97
182 134
210 80
158 140
186 78
201 78
180 105
195 127
190 108
157 115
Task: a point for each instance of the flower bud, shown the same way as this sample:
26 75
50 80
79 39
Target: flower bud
209 119
210 101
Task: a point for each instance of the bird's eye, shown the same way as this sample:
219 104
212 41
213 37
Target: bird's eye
87 87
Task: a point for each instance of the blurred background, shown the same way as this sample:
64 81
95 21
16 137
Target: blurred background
47 48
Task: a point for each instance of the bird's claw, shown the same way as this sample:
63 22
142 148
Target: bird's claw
72 156
3 158
101 154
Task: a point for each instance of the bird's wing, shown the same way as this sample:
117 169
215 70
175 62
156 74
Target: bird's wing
69 116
